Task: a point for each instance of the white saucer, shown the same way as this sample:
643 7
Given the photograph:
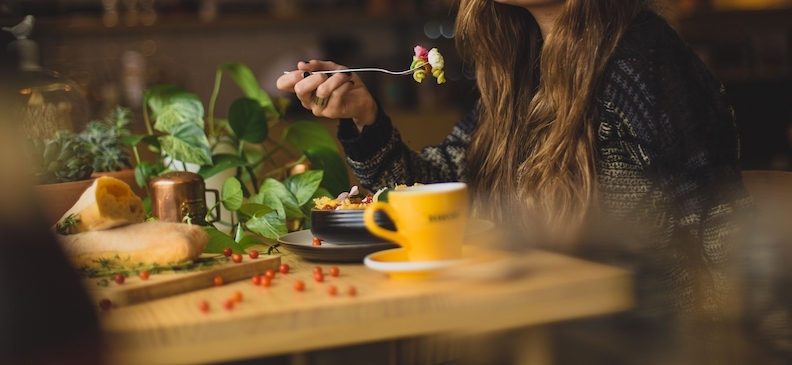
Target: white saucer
394 262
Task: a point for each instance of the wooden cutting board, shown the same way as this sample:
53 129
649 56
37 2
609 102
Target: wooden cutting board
136 290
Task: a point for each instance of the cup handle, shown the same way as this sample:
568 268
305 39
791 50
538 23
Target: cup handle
373 227
217 207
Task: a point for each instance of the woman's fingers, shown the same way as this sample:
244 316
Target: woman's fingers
334 105
326 88
323 94
288 81
315 89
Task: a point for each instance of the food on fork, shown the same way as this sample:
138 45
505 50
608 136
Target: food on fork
431 62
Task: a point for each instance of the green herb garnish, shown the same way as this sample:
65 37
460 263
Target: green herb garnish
68 224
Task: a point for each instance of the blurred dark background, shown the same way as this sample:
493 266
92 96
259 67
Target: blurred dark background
115 49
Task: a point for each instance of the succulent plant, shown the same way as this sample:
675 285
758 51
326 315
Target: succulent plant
103 139
63 158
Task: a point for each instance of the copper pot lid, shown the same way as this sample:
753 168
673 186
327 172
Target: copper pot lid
176 178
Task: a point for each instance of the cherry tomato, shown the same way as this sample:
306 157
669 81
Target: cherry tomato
317 270
227 251
284 268
319 277
332 290
253 254
144 274
105 304
270 274
203 306
334 271
266 281
299 285
236 258
228 304
236 296
256 280
316 242
218 281
119 278
351 291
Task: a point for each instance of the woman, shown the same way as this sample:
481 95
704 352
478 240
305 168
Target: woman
592 114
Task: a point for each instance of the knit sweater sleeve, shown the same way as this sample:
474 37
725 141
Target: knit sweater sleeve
379 158
674 121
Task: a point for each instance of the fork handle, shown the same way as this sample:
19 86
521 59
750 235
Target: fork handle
338 71
329 71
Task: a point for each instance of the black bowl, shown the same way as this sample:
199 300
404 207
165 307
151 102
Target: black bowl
346 226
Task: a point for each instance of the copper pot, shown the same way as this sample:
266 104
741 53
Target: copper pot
180 195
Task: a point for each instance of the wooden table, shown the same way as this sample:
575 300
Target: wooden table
280 320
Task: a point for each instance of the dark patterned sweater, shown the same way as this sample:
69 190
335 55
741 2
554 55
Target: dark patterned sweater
668 161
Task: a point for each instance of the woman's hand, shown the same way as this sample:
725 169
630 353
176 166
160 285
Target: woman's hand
340 95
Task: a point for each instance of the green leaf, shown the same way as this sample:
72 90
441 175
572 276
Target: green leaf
270 201
320 192
143 172
248 241
268 225
220 163
247 120
187 143
249 85
131 141
147 205
182 108
231 195
336 177
219 240
158 96
252 155
275 195
239 233
306 134
253 209
152 141
303 185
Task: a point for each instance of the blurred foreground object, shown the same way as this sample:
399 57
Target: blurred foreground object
767 276
45 317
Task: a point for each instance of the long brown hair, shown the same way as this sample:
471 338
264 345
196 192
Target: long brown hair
532 158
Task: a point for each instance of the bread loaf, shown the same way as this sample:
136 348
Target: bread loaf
152 242
107 203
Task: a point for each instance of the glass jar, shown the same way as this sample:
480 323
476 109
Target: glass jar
49 101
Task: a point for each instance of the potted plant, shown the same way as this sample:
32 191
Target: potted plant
104 140
260 194
62 167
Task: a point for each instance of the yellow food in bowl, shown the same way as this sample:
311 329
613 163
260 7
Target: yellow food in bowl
346 201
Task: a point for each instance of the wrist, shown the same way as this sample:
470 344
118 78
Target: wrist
368 117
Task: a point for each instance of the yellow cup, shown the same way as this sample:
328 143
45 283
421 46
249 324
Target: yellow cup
430 220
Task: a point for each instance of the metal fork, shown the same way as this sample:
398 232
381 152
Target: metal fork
367 69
